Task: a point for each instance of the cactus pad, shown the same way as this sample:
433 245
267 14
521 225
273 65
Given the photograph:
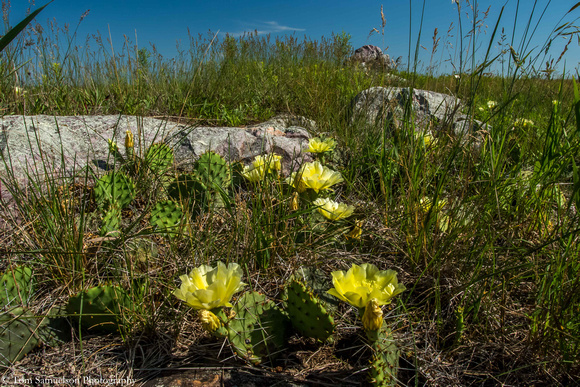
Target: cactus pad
212 170
306 312
100 308
166 216
16 286
159 158
385 359
188 188
114 187
17 335
259 329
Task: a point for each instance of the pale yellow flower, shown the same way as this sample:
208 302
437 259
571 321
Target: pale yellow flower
333 210
261 165
19 91
316 145
314 175
491 104
208 288
373 316
362 283
209 321
268 162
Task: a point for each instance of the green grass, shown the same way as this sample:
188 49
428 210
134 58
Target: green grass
492 277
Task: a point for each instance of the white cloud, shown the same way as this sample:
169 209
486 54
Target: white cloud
269 27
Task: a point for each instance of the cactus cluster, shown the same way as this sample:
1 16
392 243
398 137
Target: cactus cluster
307 313
16 286
258 329
100 308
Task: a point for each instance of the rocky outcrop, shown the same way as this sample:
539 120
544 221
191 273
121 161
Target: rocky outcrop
370 56
61 146
376 105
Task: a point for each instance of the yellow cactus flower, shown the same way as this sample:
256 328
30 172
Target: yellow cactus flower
253 174
362 283
314 175
491 104
208 288
209 321
333 210
269 162
261 165
316 145
373 316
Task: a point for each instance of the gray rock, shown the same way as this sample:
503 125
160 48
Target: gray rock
59 146
373 106
370 56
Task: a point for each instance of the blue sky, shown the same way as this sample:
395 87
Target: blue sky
164 23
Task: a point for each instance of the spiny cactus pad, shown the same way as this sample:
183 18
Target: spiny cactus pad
17 335
159 158
385 359
166 216
16 286
258 330
100 308
306 312
212 170
114 188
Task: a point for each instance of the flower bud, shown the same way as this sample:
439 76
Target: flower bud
294 204
129 144
209 321
373 316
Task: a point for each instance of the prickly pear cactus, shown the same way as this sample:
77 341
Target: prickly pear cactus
166 216
114 188
17 335
186 188
159 158
258 331
16 286
385 359
111 221
100 308
212 170
306 312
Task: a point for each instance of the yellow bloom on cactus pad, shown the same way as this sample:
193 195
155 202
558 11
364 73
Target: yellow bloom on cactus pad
208 288
316 145
314 175
362 283
333 210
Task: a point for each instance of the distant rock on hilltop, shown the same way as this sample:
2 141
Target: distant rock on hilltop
60 146
370 56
